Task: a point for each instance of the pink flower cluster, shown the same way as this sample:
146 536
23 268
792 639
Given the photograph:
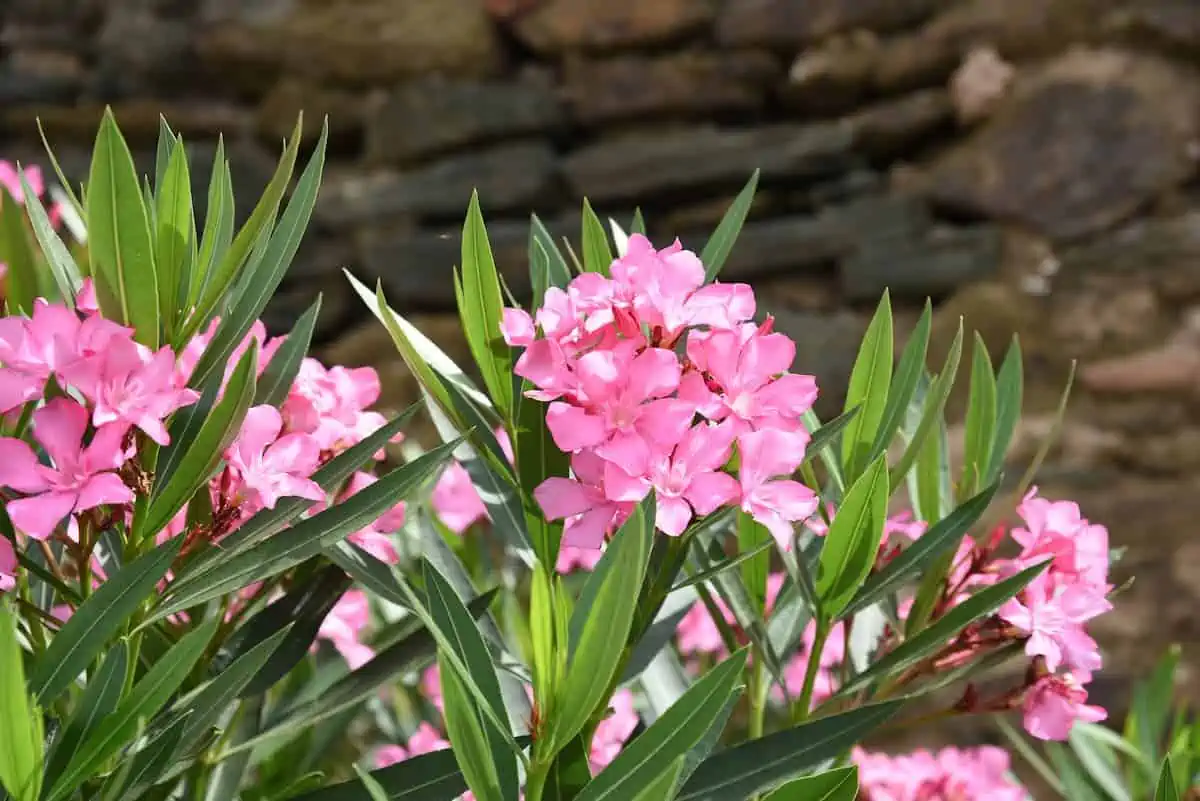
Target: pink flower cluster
93 395
952 774
1052 612
635 415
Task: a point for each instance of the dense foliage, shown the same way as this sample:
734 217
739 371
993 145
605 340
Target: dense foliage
638 566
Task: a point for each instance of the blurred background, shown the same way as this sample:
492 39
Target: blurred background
1031 165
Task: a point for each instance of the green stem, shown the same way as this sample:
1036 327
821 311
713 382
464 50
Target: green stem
801 708
758 698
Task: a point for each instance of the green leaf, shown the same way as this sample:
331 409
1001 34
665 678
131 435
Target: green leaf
652 754
1151 707
761 764
175 242
941 631
1100 764
146 765
826 436
429 777
21 280
264 275
638 224
981 419
762 548
482 752
720 244
203 707
62 266
215 240
100 698
62 178
909 371
868 390
300 611
597 256
373 787
307 538
840 784
930 419
853 540
20 720
481 310
119 241
941 538
357 686
1166 789
146 698
601 623
276 381
538 459
186 467
756 561
1009 392
558 271
87 631
220 274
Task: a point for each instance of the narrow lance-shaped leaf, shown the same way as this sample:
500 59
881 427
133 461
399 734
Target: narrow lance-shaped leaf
840 784
483 754
558 272
981 419
481 310
63 268
147 696
720 244
176 236
220 275
196 464
215 240
689 719
853 540
1009 396
758 765
601 622
931 413
20 281
100 698
909 371
120 244
927 641
105 611
276 381
20 720
597 256
263 275
868 390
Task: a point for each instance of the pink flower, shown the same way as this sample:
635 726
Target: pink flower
613 732
129 384
962 774
266 467
1054 703
455 499
1052 614
81 477
8 565
621 406
431 686
426 739
344 625
571 559
376 539
85 299
777 503
589 514
388 755
686 478
752 385
698 632
517 328
10 178
1057 529
331 405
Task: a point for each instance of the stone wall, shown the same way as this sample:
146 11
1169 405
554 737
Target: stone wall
1031 164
